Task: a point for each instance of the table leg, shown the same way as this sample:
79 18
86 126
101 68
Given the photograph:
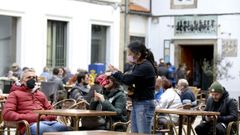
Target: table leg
214 125
189 125
38 125
180 125
110 123
77 123
154 123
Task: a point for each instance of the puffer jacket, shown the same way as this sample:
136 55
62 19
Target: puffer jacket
226 106
20 105
79 92
115 100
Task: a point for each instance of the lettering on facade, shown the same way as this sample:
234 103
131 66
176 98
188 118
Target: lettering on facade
197 25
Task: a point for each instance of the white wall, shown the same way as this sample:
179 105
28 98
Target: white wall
138 25
230 24
79 15
228 21
160 32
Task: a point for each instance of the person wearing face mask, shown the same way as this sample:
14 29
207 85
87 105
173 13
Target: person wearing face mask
143 77
112 98
81 89
26 98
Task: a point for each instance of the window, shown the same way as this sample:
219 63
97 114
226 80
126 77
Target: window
99 44
137 38
167 50
56 43
8 45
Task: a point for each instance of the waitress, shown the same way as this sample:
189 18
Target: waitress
143 77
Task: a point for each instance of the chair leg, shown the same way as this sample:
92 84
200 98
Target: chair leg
184 130
193 130
8 131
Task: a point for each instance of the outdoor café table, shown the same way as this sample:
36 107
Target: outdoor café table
72 113
188 114
91 132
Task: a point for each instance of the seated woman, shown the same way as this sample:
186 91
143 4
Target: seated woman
112 98
169 100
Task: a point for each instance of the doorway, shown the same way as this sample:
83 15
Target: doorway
196 58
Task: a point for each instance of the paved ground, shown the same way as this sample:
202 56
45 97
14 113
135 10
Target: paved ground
197 121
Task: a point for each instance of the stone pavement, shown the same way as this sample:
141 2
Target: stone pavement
197 121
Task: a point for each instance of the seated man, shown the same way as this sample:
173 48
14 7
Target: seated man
26 98
218 102
186 94
81 89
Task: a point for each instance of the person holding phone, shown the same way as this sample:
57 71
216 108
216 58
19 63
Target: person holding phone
112 98
143 77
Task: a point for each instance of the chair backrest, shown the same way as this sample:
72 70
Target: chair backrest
64 104
49 88
195 90
41 79
81 104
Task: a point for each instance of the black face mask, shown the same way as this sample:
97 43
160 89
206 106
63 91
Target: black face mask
31 83
85 83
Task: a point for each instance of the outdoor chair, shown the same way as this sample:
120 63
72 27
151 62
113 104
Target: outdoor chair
17 125
64 104
124 124
81 104
50 90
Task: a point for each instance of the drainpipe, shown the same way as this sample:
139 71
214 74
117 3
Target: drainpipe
126 30
126 25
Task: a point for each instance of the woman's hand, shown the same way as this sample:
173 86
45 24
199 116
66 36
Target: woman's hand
112 68
98 97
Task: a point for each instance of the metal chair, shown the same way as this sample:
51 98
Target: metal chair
233 128
124 124
64 104
17 125
81 104
6 125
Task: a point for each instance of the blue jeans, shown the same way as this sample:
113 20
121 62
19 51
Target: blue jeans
141 116
48 126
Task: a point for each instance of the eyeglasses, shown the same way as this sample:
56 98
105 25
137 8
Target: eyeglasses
31 77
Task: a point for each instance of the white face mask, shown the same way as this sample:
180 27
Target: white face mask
131 59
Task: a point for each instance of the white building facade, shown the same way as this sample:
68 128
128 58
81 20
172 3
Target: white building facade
201 34
71 33
196 31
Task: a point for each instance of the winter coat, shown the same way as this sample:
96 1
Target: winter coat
79 92
226 106
169 100
115 100
20 105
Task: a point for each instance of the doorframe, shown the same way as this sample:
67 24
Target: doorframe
178 42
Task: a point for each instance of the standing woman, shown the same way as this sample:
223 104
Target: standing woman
143 77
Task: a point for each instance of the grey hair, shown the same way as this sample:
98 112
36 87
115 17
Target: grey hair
26 71
183 82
